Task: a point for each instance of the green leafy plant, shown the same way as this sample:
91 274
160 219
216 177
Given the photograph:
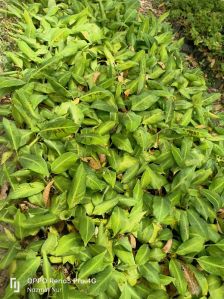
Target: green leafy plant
114 162
203 19
201 22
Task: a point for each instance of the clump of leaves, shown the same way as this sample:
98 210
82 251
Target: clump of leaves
204 19
114 162
201 22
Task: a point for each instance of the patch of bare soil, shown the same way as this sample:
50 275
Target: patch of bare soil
146 6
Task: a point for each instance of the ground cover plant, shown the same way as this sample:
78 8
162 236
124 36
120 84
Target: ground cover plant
113 175
201 22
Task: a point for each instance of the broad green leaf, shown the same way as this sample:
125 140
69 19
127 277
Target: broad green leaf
92 266
57 35
176 272
25 270
122 143
149 273
58 128
177 155
142 255
155 294
93 139
19 220
118 220
7 82
128 291
161 208
109 176
94 183
130 173
34 163
194 245
46 64
28 52
138 194
47 270
217 293
198 223
25 190
76 114
72 48
96 93
201 279
12 132
105 206
213 197
9 256
30 28
106 127
15 59
86 229
184 226
78 187
40 220
64 288
126 257
143 102
149 177
130 12
103 279
143 138
131 121
213 265
217 185
63 162
220 244
68 244
153 117
58 87
104 106
90 31
50 243
183 179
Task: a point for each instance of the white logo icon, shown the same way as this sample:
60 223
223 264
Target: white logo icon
14 284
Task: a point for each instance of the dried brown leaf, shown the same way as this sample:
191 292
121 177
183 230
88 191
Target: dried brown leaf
132 241
127 93
96 76
102 158
3 192
29 204
121 77
160 63
23 207
221 213
191 280
168 246
95 164
192 60
46 193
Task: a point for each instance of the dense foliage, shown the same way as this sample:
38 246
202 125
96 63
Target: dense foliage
114 163
203 23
